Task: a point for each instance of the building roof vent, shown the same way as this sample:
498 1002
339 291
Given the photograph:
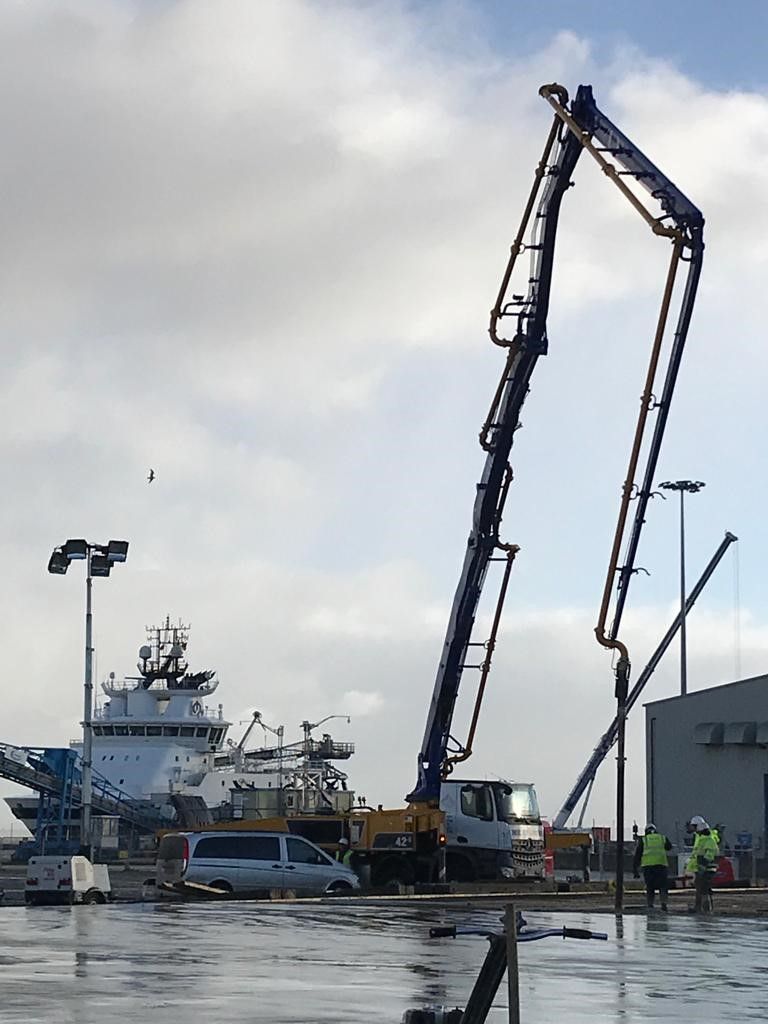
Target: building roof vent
742 733
709 733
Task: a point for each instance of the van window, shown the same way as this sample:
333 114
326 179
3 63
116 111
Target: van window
171 848
259 848
238 848
477 802
300 852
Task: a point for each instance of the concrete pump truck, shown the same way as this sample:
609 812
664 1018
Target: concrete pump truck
469 830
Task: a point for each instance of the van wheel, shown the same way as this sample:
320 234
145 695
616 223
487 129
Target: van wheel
221 884
393 869
339 887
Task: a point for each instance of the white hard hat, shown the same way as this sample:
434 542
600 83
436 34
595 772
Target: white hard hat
698 823
343 841
650 827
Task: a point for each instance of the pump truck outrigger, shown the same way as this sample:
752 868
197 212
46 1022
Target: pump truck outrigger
480 829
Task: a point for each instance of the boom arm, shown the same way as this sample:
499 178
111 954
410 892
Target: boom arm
683 224
529 342
573 130
607 740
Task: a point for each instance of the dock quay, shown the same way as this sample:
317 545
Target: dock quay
129 887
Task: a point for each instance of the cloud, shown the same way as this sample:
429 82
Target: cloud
256 252
363 702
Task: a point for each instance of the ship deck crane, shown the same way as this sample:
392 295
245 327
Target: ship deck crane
577 126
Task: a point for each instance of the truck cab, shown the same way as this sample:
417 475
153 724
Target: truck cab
493 830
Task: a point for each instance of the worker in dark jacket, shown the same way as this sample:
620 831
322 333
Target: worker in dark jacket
651 856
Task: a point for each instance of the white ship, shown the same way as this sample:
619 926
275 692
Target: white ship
157 738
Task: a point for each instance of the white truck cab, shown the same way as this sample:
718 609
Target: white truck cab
53 879
493 829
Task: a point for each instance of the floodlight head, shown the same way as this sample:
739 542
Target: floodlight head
117 550
690 486
76 549
58 563
100 565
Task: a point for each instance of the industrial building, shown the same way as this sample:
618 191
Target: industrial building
707 753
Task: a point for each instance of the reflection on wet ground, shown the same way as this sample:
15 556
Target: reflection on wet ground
333 963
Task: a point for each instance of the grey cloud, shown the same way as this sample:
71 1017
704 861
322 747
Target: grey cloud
257 253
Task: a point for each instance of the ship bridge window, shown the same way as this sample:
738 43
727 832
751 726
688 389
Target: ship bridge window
201 733
108 730
170 730
121 730
154 730
216 735
136 730
187 730
96 730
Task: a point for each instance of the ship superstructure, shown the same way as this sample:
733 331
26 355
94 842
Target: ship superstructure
159 738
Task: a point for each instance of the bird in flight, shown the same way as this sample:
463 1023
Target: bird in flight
151 476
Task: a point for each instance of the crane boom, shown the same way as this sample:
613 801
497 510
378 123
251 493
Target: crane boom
607 740
552 179
574 128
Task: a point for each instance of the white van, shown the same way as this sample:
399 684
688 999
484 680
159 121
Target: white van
249 861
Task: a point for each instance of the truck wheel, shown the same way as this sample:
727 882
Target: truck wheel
94 896
459 869
393 869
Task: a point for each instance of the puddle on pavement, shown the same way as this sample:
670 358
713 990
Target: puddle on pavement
349 964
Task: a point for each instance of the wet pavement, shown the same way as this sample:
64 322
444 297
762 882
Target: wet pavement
307 964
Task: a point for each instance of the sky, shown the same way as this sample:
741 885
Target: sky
254 246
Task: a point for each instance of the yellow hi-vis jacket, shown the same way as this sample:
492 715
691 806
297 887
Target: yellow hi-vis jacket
654 850
704 854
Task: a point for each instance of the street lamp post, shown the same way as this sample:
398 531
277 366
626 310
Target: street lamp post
99 559
684 487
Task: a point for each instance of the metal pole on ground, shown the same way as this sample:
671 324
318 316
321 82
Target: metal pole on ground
622 688
488 981
513 979
86 836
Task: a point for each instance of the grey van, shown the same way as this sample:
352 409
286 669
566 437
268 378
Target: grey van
248 861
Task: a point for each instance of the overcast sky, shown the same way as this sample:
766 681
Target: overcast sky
253 246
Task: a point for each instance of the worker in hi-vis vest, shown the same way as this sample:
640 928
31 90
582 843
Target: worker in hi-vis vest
344 854
651 856
703 861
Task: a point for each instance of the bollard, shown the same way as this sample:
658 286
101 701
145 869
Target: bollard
513 977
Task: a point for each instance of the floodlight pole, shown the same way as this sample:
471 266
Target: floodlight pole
86 836
683 635
99 560
683 487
